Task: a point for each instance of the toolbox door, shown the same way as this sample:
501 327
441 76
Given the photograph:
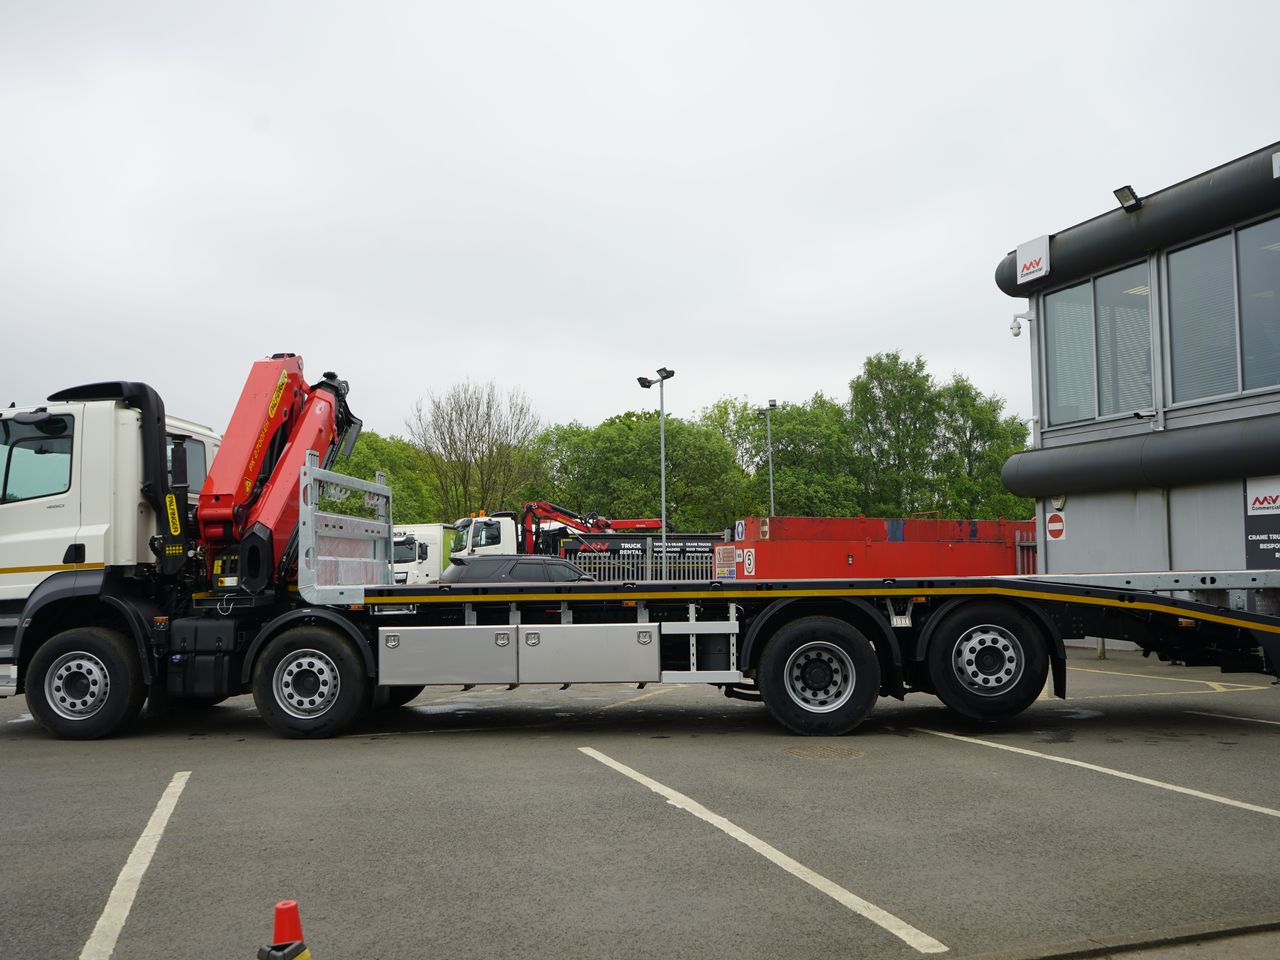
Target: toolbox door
417 655
590 653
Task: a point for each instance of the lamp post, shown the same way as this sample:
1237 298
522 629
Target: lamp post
768 434
663 376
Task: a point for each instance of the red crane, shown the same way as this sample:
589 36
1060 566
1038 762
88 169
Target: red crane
248 513
536 513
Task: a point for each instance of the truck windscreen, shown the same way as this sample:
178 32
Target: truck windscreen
461 532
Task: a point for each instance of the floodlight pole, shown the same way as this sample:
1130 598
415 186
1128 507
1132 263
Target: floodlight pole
662 467
664 374
768 435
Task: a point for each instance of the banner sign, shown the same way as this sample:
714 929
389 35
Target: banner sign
1262 523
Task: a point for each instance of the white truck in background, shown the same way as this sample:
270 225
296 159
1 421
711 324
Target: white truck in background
420 551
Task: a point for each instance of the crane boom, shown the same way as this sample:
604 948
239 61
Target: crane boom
248 513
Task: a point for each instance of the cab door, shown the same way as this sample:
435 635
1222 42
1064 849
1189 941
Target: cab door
40 470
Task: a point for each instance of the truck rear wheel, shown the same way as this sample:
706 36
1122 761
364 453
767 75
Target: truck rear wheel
85 683
988 661
309 682
819 676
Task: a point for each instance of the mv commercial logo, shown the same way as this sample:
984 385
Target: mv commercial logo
1262 494
1033 259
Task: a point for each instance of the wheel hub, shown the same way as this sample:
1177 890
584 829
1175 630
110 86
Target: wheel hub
817 674
77 685
305 683
820 677
988 660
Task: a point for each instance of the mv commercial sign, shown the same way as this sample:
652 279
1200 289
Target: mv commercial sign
1033 259
1262 523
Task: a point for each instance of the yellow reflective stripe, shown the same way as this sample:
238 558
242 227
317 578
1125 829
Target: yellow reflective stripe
794 594
52 568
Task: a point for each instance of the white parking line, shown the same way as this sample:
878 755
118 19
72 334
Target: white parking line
1227 716
1173 787
899 928
102 942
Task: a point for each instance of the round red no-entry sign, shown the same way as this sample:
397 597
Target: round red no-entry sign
1055 524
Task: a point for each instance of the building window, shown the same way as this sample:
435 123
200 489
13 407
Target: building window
1122 308
1258 257
1068 333
1202 321
1098 347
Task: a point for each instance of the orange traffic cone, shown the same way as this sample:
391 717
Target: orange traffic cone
286 938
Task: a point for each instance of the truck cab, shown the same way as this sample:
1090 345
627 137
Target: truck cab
476 536
418 551
71 475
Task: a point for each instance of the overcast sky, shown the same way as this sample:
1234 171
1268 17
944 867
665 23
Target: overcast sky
563 196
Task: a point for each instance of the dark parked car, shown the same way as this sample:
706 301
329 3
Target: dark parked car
495 568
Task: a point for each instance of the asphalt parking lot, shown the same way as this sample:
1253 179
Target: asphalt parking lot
667 822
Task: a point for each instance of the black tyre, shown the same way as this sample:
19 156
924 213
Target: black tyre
988 661
398 696
310 682
819 676
85 683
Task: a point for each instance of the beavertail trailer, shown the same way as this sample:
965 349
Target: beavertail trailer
273 587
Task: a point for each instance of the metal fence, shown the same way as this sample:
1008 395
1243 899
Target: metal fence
1026 553
635 567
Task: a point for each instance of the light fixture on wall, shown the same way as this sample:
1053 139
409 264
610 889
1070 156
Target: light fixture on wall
1129 201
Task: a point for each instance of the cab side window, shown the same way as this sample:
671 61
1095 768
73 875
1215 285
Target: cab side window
197 462
35 458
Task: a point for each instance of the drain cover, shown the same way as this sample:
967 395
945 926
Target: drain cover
824 751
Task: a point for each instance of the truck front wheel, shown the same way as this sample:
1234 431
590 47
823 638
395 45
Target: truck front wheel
819 676
310 682
988 661
85 683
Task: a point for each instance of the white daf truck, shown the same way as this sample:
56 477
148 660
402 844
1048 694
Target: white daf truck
420 551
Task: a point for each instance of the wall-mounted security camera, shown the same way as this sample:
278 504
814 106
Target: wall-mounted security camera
1016 327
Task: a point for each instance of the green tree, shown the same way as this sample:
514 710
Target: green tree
738 421
975 439
408 474
612 470
894 410
481 446
814 470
